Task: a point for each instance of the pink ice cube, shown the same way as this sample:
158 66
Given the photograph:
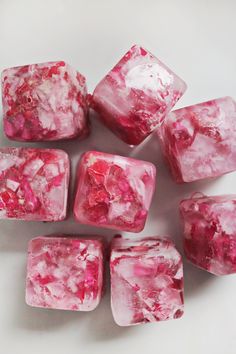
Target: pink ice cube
114 191
33 184
135 96
146 280
64 273
210 232
200 141
44 102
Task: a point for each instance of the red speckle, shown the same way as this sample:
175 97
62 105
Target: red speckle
45 280
81 292
178 314
143 51
61 63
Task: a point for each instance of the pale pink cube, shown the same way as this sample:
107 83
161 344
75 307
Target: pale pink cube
64 272
200 141
33 184
114 191
135 96
210 232
44 102
146 280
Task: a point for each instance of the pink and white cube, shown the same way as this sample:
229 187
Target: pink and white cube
210 232
199 141
135 96
146 280
65 273
114 191
33 184
44 102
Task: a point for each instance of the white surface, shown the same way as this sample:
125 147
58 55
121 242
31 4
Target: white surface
197 40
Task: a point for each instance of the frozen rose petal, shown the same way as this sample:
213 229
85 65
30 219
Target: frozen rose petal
114 191
44 102
64 273
135 96
210 232
146 280
27 190
200 141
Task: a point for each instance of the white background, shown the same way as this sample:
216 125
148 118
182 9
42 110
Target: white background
197 39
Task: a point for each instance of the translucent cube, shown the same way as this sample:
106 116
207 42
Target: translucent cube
64 273
33 184
146 280
114 191
200 141
135 96
210 232
44 102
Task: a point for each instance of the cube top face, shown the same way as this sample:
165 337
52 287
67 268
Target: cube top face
43 102
114 191
146 280
64 273
210 232
134 97
199 140
33 184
